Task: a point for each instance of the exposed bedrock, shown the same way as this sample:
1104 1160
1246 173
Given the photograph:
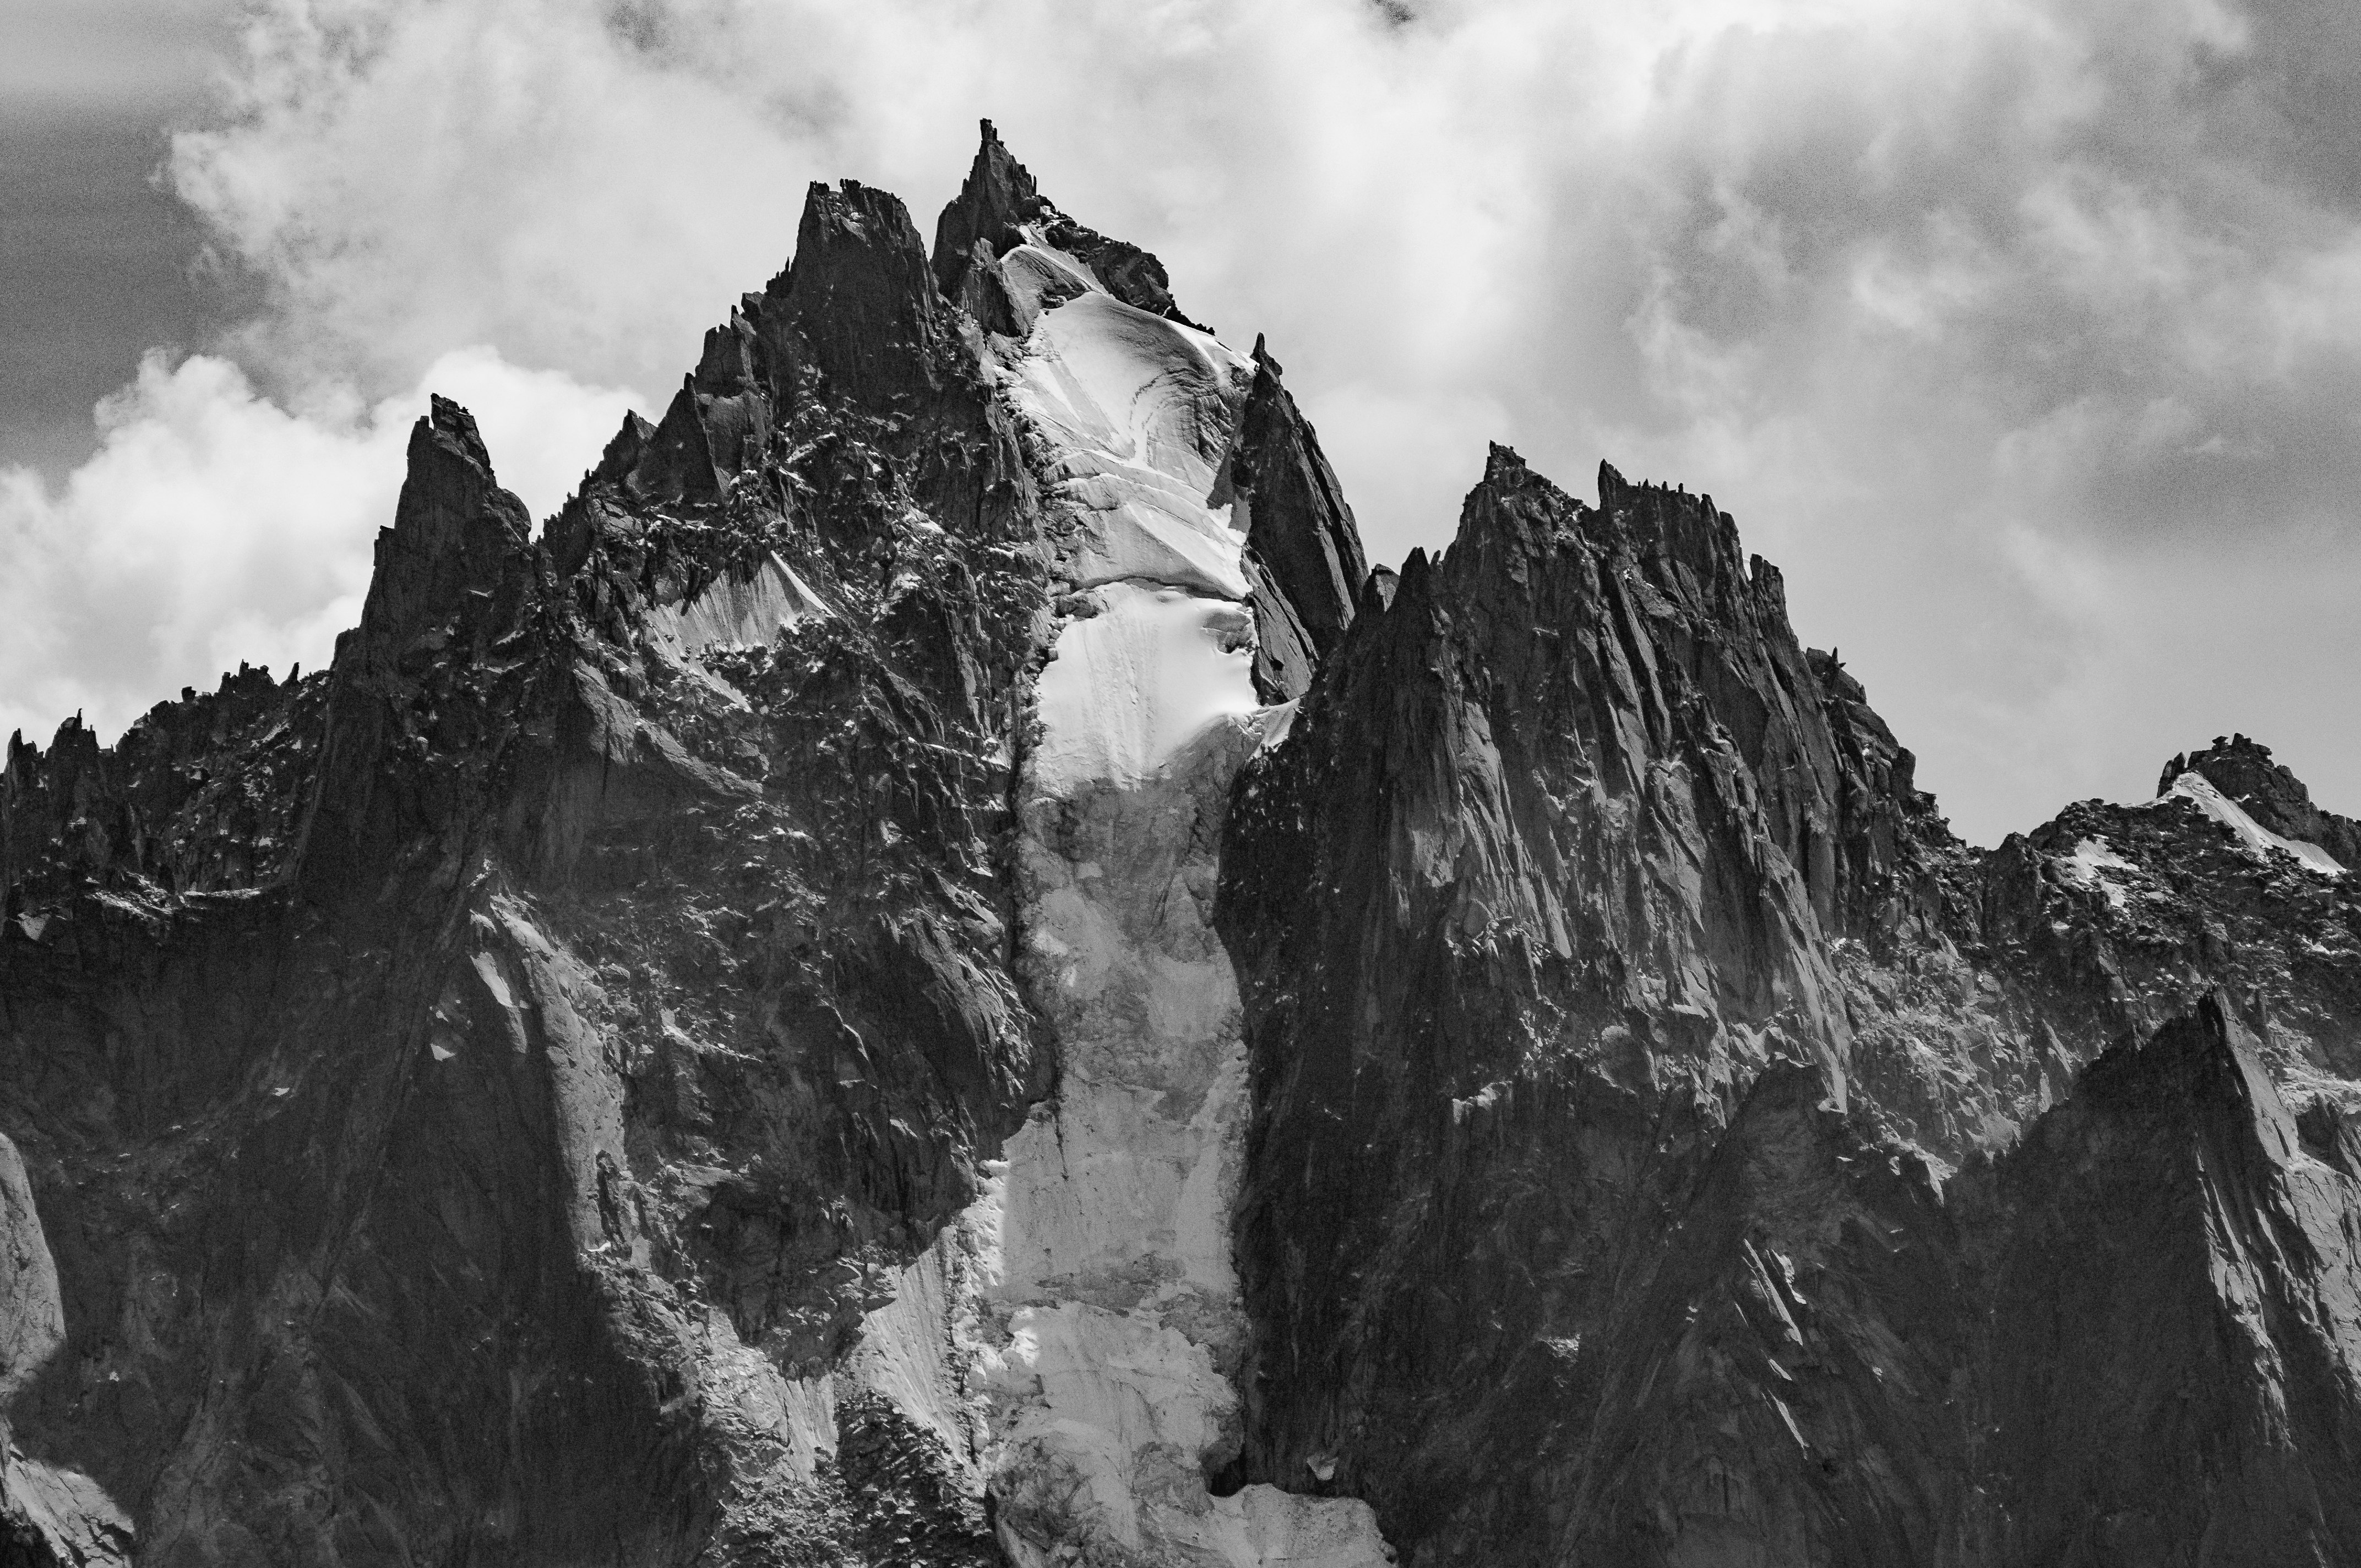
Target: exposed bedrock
2172 1372
2243 770
934 971
1618 1015
1116 1331
543 1090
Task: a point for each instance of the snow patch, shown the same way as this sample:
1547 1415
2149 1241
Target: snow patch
2088 866
1278 722
1040 277
1075 1372
1112 1319
2260 840
1134 414
1127 688
731 614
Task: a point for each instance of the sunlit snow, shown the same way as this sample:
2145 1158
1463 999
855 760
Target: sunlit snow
1113 1218
2088 867
2258 840
1136 412
732 614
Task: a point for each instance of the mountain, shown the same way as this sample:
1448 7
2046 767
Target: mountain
935 971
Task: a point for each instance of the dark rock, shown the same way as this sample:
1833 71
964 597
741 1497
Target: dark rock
1303 549
1608 987
395 1154
859 308
996 198
487 1103
422 695
623 453
204 794
2243 770
2168 1379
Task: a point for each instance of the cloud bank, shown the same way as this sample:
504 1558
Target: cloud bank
214 527
2025 336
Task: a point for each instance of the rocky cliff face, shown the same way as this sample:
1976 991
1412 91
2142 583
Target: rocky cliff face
934 971
1672 1145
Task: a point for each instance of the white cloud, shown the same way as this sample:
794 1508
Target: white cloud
1904 286
214 527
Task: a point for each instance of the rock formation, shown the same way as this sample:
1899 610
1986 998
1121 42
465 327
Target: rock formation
935 971
1672 1145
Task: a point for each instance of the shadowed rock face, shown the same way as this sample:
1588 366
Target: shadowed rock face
2243 770
525 1096
1304 553
2173 1294
934 971
1619 1011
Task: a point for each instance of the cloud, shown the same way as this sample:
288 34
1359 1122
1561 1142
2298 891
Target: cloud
2022 335
214 527
92 54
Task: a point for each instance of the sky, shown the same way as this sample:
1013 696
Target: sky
2025 336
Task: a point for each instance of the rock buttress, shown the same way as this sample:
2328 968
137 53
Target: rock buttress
2173 1368
1304 552
515 1180
1617 1008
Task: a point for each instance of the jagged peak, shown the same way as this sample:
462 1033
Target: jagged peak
2235 756
449 484
1505 508
2203 1062
74 736
849 208
1001 205
1613 488
1506 474
858 304
998 194
623 449
449 466
1303 547
730 362
1667 520
1412 580
2243 770
454 527
1510 518
449 426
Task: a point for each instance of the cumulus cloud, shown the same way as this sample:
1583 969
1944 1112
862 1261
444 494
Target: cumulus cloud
2023 335
214 527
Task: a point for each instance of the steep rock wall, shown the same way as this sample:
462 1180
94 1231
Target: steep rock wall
538 1092
933 972
1659 1118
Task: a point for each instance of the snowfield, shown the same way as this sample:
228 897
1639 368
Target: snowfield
1115 1323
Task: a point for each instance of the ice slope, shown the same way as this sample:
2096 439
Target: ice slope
2088 867
1136 413
2197 789
1119 1323
733 614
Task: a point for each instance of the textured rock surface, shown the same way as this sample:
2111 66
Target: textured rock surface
1671 1145
934 971
543 1090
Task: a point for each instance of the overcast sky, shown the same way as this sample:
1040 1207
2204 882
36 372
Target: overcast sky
2025 336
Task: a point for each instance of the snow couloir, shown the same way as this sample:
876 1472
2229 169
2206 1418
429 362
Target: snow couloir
1109 1326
